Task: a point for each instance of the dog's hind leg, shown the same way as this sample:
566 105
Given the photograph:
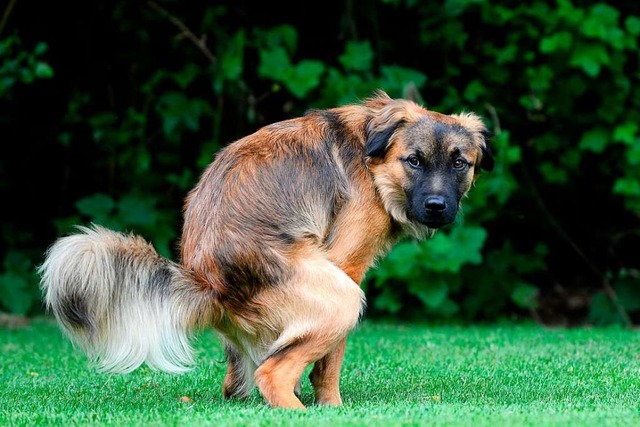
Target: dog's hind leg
315 311
325 376
238 380
278 375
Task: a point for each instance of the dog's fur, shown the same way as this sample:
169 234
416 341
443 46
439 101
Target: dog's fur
278 234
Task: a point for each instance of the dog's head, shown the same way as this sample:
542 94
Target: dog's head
423 162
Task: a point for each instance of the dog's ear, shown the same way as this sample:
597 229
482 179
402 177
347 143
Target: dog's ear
411 92
481 136
378 140
385 121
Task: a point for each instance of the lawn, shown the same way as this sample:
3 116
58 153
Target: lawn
393 375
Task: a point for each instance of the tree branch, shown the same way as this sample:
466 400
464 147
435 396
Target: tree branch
200 43
5 15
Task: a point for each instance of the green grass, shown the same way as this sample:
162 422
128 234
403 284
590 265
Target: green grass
393 375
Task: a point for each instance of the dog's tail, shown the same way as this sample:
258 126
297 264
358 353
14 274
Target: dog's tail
122 303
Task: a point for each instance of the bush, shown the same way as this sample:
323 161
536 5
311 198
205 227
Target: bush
550 233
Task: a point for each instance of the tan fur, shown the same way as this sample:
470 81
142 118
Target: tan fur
278 234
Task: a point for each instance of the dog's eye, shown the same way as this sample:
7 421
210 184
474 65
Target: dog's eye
413 161
459 164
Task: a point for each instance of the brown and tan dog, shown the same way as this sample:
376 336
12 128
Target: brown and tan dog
277 236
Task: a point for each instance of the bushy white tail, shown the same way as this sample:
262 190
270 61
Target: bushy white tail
121 302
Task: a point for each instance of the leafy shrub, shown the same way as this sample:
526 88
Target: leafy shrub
550 233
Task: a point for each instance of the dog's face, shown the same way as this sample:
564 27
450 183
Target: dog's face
423 163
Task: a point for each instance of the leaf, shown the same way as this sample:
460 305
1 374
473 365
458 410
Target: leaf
233 57
194 110
17 262
339 88
43 70
187 75
571 159
402 261
388 301
447 308
358 56
600 19
589 57
632 24
102 120
540 78
594 140
40 48
282 36
395 78
552 173
448 253
603 312
431 292
170 107
6 83
176 109
556 42
474 91
274 64
97 206
304 77
626 132
470 242
627 186
525 295
633 153
136 210
14 293
628 292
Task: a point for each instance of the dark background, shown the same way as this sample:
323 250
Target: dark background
110 110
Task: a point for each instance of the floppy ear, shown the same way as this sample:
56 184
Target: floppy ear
378 140
386 121
481 135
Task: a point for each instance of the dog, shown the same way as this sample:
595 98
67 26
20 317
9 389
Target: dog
278 234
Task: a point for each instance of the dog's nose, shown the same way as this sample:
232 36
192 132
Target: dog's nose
435 204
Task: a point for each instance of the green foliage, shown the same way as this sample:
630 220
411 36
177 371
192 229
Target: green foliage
18 285
276 63
19 291
429 269
556 82
568 54
19 65
604 310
